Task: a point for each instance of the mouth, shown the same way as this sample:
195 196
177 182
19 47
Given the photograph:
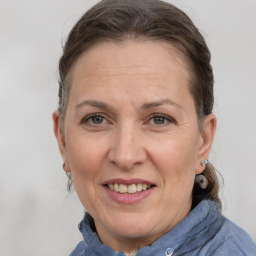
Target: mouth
129 189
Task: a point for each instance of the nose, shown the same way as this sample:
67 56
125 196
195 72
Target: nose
127 150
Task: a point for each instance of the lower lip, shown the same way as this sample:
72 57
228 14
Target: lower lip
128 198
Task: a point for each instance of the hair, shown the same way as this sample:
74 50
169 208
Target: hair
145 20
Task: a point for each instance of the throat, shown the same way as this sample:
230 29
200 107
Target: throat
130 253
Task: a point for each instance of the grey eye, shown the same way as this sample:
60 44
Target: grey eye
97 119
159 120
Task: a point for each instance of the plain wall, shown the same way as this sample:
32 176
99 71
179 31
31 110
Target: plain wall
37 216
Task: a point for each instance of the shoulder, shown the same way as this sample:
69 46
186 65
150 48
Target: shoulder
80 249
231 240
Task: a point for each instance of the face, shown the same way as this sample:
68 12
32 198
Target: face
131 139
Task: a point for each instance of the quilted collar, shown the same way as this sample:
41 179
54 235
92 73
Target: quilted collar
194 231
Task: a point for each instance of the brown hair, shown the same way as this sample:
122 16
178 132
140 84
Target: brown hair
154 20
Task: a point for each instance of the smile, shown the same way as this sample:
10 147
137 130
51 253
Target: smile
128 189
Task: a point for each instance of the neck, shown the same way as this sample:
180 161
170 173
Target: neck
128 245
130 253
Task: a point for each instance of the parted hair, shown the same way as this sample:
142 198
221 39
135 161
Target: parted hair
145 20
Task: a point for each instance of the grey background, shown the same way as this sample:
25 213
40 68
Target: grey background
37 216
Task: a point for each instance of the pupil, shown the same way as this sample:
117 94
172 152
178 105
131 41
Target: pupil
97 119
159 120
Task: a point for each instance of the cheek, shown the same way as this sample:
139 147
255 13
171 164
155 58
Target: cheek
85 158
176 164
176 159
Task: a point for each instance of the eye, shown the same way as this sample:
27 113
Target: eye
97 119
159 119
94 119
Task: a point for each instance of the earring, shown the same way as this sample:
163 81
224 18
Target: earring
202 181
204 162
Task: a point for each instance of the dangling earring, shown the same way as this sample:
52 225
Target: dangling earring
201 180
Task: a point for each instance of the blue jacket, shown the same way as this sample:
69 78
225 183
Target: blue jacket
204 232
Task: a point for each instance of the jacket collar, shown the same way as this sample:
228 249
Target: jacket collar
194 231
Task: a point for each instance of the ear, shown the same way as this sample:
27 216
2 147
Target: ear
59 134
207 135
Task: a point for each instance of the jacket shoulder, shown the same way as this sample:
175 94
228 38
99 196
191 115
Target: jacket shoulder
81 250
232 240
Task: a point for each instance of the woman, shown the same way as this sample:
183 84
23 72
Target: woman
135 128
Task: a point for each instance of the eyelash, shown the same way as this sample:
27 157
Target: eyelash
167 119
86 120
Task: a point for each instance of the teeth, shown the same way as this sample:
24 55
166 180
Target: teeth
123 188
144 186
116 187
139 187
111 186
130 189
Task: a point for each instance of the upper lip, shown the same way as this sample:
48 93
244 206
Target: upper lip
127 181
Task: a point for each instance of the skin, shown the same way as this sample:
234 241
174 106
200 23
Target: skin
128 142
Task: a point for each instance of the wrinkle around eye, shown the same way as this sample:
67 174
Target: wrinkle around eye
167 120
87 121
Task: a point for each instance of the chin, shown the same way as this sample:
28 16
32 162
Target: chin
134 233
132 225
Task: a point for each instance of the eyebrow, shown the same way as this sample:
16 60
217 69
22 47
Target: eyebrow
145 106
93 103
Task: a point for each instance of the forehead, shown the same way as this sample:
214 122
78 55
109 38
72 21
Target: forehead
151 69
129 58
